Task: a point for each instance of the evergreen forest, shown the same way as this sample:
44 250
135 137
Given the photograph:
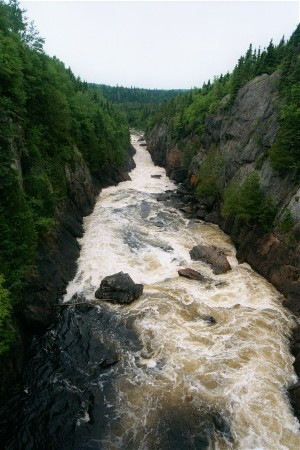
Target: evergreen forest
49 122
136 104
186 113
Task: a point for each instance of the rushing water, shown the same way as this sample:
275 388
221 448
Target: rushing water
158 374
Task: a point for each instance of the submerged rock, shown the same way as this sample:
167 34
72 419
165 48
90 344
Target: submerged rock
119 288
209 319
192 274
213 256
60 391
156 176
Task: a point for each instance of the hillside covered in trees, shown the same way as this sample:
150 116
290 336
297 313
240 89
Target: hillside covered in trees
236 143
137 105
187 115
51 125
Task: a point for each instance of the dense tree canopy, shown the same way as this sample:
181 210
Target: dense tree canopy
48 120
249 203
136 104
186 113
285 154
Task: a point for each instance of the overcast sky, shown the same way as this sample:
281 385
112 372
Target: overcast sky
157 44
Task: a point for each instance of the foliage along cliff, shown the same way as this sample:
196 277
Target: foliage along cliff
236 143
59 143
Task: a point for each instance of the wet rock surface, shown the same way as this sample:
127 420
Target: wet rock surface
213 256
68 392
294 391
58 252
209 319
66 384
192 274
119 288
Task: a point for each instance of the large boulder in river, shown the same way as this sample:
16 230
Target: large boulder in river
119 288
213 256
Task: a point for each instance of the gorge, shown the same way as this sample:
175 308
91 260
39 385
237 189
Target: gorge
204 358
158 373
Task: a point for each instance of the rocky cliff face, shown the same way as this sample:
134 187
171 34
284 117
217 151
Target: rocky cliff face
243 134
251 126
59 250
166 153
56 261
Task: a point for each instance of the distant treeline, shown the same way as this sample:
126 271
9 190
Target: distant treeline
136 104
50 122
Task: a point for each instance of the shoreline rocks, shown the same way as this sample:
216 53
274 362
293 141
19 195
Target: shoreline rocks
56 260
243 134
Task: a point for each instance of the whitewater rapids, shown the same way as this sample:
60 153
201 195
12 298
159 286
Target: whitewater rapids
188 366
238 369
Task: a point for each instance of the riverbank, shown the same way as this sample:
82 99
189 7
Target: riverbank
247 251
266 254
114 376
231 181
56 264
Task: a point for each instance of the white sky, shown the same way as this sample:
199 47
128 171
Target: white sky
157 44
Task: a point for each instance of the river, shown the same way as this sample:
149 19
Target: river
159 374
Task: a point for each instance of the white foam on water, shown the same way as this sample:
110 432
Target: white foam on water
238 366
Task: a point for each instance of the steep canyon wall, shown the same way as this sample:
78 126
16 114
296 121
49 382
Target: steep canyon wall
56 264
243 135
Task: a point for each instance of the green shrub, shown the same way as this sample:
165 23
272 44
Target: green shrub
6 328
249 203
211 174
44 225
287 222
